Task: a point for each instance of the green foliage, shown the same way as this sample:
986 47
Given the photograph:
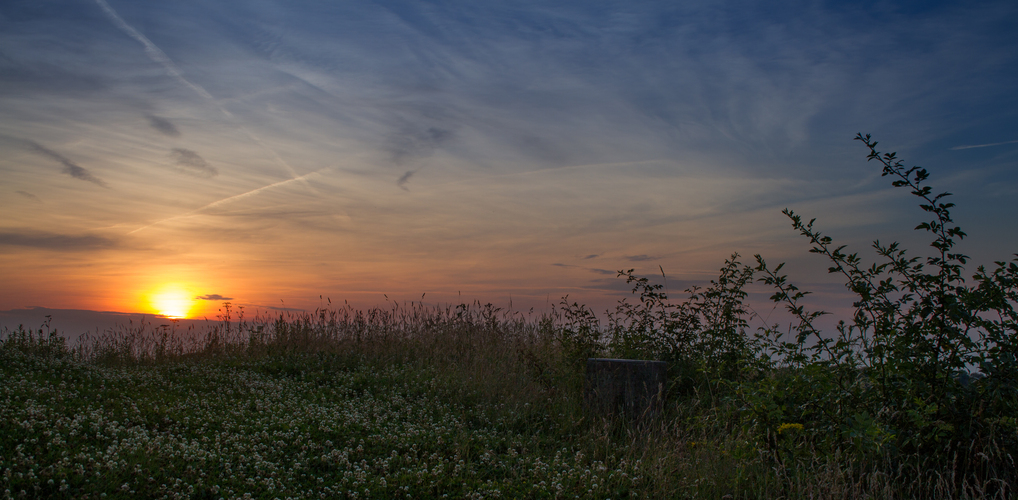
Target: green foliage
703 338
903 363
898 375
578 333
896 381
44 342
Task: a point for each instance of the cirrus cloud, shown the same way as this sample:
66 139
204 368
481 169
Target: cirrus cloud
70 168
192 163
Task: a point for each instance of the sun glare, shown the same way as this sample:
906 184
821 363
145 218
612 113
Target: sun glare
172 301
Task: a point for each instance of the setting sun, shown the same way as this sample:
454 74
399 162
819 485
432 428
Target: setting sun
172 301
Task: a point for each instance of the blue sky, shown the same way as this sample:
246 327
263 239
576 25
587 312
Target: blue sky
277 151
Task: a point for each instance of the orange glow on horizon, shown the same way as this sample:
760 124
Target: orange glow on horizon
171 300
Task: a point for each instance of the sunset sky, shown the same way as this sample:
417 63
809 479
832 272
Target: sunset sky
164 157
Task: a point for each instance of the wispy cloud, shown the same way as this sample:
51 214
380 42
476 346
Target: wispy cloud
160 57
212 296
70 168
163 125
984 145
224 201
57 242
28 195
591 269
615 285
192 163
153 52
404 178
257 190
639 258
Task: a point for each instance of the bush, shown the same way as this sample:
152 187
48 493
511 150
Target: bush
927 367
902 365
703 338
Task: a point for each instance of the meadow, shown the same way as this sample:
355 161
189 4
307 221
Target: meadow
915 396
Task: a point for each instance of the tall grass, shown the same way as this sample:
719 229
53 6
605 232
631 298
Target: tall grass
514 375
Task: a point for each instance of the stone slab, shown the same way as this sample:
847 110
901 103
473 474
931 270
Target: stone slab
629 388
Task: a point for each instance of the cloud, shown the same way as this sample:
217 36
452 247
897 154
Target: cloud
70 168
284 308
591 269
609 285
983 145
591 256
639 258
28 195
158 56
151 50
212 296
56 242
192 163
404 178
229 199
163 125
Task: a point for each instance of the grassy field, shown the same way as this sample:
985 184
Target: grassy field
292 425
433 404
467 402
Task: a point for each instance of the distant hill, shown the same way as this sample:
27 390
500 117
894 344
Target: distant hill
72 323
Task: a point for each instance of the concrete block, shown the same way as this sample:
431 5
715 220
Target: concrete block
629 388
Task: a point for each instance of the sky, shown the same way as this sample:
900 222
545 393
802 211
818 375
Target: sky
166 157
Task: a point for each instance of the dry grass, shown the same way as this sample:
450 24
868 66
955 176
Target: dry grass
469 401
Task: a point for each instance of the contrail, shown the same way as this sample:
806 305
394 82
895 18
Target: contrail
229 199
151 50
160 57
983 145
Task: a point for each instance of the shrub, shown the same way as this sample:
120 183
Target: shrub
923 377
703 338
899 372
